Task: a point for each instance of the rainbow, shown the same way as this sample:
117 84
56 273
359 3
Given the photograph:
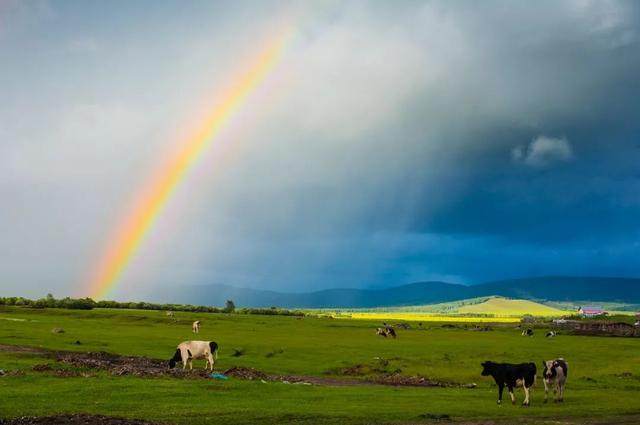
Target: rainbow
150 202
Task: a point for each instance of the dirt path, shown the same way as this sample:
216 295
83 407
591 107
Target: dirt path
146 367
77 419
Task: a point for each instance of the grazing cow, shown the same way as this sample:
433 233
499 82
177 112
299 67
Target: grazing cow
391 332
196 327
527 332
385 332
511 375
551 334
189 350
555 373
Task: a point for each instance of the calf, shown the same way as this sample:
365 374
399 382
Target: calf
555 373
196 327
551 334
511 375
527 332
189 350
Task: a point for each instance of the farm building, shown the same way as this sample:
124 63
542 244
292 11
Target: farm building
591 311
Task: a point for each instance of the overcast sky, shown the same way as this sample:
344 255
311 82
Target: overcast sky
394 142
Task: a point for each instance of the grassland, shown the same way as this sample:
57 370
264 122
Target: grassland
424 317
598 389
484 309
507 307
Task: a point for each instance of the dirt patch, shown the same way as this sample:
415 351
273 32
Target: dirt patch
363 370
77 419
246 373
62 373
84 363
113 363
252 374
15 372
125 365
41 367
398 380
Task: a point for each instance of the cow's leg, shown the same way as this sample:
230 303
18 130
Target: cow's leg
561 391
500 388
526 395
546 390
513 397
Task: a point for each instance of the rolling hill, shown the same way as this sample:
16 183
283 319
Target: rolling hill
551 288
508 307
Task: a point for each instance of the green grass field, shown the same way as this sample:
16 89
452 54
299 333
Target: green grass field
604 376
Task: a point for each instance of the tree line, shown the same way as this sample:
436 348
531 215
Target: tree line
88 304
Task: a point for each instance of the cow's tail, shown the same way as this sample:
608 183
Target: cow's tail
214 349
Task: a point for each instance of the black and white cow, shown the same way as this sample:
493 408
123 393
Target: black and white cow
187 351
551 334
527 332
511 375
555 374
385 332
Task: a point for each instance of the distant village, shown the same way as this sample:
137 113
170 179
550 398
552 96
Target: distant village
598 327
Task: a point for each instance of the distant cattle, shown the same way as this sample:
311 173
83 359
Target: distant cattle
551 334
196 327
527 332
511 375
555 375
187 351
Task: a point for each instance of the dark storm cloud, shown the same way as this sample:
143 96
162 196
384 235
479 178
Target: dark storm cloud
395 142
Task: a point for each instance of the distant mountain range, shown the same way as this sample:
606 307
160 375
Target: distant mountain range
549 288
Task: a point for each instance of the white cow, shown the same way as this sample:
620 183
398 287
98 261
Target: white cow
189 350
195 327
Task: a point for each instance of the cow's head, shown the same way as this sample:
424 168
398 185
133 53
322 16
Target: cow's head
176 358
549 369
487 368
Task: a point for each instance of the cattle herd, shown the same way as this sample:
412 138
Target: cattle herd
508 375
